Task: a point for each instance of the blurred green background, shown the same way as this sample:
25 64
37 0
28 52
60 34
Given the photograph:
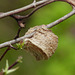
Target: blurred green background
63 61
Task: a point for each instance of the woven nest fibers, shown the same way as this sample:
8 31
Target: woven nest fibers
42 44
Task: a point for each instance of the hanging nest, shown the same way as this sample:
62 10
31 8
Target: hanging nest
42 44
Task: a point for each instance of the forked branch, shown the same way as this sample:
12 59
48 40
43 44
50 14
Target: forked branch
30 35
20 18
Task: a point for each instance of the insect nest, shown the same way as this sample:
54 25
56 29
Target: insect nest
42 44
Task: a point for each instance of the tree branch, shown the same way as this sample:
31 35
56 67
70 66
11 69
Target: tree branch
16 62
28 7
32 12
30 35
4 53
23 8
61 19
6 44
31 6
19 19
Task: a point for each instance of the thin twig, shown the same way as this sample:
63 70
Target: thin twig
19 18
15 40
23 8
48 26
32 12
19 60
28 7
61 19
16 62
17 36
71 2
4 53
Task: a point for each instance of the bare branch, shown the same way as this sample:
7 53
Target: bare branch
30 35
32 12
23 8
28 7
16 62
72 2
4 53
61 19
15 41
31 6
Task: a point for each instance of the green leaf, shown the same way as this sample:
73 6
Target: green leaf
12 70
6 71
20 45
6 68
